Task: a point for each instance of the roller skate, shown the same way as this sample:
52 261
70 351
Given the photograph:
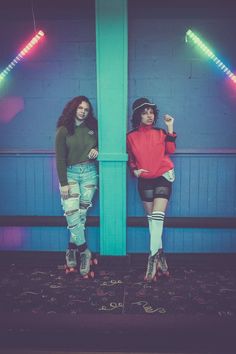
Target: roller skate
151 269
87 264
71 261
162 267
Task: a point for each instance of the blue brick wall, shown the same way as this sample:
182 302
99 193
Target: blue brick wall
178 77
162 66
60 67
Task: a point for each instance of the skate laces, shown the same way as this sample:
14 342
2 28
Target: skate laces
84 257
83 260
71 255
151 262
162 260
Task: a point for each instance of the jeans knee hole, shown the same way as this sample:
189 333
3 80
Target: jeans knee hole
75 195
72 226
71 212
85 206
90 186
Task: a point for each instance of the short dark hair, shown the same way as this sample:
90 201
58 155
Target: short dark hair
136 116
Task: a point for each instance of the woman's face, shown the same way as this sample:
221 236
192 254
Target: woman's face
82 111
147 116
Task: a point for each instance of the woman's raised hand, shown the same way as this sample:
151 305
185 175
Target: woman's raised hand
169 121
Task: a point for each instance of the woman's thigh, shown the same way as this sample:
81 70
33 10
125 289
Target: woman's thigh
88 184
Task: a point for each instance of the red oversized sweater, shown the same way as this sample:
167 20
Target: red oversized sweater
149 149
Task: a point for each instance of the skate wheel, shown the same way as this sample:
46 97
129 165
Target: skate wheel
95 261
70 270
149 280
89 275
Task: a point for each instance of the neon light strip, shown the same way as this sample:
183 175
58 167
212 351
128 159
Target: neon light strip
24 51
190 34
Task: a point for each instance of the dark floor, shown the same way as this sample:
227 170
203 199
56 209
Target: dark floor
193 310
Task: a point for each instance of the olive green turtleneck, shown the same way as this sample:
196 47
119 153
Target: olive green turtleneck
73 149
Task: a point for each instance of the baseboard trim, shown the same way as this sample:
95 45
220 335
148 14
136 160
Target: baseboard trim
137 260
132 221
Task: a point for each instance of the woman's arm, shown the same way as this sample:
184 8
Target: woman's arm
171 135
61 155
131 158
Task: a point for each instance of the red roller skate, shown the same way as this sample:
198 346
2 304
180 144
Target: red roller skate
71 261
87 264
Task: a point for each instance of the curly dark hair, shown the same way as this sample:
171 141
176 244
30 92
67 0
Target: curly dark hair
67 118
136 117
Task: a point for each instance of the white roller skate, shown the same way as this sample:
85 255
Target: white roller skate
71 260
86 263
151 268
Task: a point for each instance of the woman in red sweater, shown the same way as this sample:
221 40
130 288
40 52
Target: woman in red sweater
148 149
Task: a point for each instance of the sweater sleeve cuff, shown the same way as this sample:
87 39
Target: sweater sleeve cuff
63 183
171 137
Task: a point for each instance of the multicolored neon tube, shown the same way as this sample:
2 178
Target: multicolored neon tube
22 53
191 35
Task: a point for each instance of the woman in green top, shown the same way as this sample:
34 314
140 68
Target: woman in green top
76 151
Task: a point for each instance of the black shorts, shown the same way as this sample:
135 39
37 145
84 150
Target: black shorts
151 188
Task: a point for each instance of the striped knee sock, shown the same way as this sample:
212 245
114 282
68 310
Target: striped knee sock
149 217
156 231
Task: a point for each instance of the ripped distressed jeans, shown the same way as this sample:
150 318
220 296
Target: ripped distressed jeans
83 180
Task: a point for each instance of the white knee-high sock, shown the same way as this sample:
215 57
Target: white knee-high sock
149 217
156 231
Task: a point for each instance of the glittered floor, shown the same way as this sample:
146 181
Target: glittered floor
193 305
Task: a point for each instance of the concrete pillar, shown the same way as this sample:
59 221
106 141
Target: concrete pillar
112 85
